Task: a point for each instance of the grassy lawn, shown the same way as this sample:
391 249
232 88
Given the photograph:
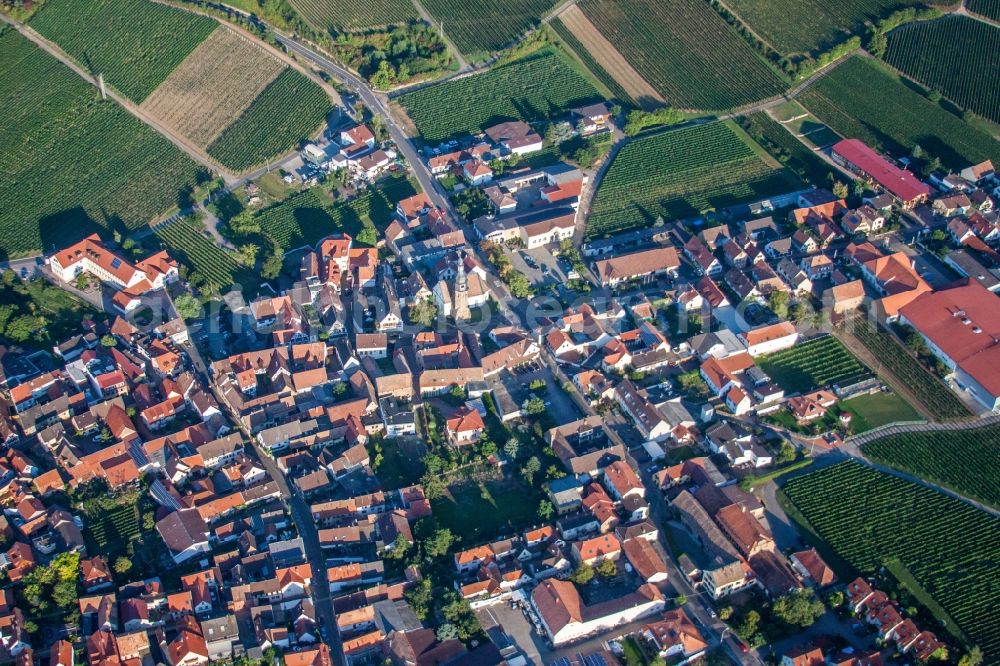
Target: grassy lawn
478 513
871 411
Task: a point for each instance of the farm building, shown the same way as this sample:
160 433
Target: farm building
961 326
860 159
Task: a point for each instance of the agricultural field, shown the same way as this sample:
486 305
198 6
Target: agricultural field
355 14
136 44
111 525
877 409
941 548
306 217
932 393
57 125
682 173
572 44
957 56
216 83
537 87
813 364
686 51
602 58
212 265
481 26
803 26
788 150
967 461
860 99
988 8
289 110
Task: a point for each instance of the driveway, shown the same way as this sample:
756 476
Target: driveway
558 404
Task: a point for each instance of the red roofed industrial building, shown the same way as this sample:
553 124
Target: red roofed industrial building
854 155
961 326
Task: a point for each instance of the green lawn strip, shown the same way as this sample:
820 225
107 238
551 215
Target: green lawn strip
877 409
751 482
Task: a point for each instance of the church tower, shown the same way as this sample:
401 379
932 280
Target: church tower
460 301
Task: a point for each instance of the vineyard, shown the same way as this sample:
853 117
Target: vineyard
859 99
355 13
533 88
134 43
958 56
932 393
681 174
289 110
306 217
947 546
788 150
801 26
70 161
573 44
988 8
111 525
478 26
814 364
967 461
215 84
186 241
686 51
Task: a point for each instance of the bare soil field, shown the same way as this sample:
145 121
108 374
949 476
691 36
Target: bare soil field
608 57
216 83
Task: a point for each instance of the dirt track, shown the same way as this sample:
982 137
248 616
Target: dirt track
608 57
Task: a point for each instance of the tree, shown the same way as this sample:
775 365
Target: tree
244 223
537 384
384 77
518 285
835 599
434 484
533 406
607 568
545 510
272 265
400 547
188 307
439 543
423 312
778 302
511 447
458 612
583 574
681 599
367 235
24 327
786 453
974 657
420 597
799 608
840 190
248 254
878 44
108 341
122 566
749 626
447 632
530 469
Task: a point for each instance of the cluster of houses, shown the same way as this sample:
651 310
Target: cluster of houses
354 149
